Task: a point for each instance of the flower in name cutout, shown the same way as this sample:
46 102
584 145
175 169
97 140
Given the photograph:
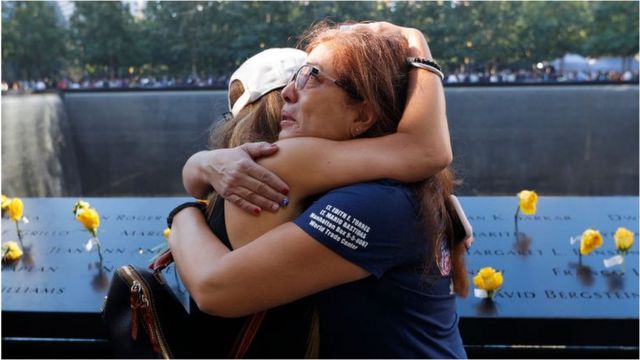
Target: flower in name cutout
488 281
166 233
80 205
528 201
623 239
90 218
11 251
14 208
591 239
5 203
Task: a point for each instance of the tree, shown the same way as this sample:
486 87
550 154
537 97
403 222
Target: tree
33 40
103 36
614 30
551 29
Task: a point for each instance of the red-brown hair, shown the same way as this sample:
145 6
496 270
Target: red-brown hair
375 67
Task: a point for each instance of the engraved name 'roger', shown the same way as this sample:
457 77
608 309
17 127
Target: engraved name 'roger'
341 227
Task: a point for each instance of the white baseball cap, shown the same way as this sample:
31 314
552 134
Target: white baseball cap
267 70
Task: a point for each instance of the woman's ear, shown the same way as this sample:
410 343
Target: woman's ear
363 122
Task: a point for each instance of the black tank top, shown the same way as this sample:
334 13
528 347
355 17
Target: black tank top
284 330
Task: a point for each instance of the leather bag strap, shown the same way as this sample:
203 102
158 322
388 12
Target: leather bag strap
162 261
250 328
246 336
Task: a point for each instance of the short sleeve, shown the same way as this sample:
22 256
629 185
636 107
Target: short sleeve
371 225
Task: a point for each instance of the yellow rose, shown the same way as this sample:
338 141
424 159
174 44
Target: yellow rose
591 240
624 239
528 201
11 251
80 205
5 202
15 208
166 232
488 279
89 218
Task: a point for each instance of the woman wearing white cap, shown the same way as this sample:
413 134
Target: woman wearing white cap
255 103
384 287
419 149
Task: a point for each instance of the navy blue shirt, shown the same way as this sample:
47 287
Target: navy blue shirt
399 311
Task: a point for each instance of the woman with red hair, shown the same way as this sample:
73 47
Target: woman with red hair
379 258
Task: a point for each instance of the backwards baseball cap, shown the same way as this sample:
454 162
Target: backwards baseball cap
263 72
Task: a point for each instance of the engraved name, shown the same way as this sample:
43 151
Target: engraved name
559 294
498 252
496 217
123 217
81 250
618 217
32 290
602 272
153 233
31 269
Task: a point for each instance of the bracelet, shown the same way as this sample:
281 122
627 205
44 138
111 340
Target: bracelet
425 64
199 205
413 61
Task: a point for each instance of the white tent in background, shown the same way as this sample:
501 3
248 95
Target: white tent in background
571 62
575 62
615 64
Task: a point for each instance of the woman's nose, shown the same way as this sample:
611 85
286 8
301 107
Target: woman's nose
289 93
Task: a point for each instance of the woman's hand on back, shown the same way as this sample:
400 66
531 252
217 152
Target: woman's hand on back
234 175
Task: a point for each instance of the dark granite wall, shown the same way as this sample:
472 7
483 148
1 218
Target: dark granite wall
561 140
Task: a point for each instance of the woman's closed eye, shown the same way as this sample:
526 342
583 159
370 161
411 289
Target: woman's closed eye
314 80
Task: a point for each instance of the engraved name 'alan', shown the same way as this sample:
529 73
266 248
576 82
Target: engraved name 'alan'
32 290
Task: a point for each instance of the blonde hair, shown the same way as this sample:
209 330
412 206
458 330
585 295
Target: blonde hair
257 121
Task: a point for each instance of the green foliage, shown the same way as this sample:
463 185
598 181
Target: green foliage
33 41
102 33
613 30
189 38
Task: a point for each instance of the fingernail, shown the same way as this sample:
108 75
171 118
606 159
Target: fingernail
285 201
285 191
275 207
256 211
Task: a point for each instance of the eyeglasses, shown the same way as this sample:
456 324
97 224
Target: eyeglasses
301 77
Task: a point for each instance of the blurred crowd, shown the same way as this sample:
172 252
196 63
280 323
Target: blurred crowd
116 83
547 75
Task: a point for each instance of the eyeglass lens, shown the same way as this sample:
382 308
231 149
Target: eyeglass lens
302 76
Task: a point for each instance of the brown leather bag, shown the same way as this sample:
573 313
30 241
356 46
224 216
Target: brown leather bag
145 319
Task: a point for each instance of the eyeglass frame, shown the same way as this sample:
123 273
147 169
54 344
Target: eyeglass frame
315 71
